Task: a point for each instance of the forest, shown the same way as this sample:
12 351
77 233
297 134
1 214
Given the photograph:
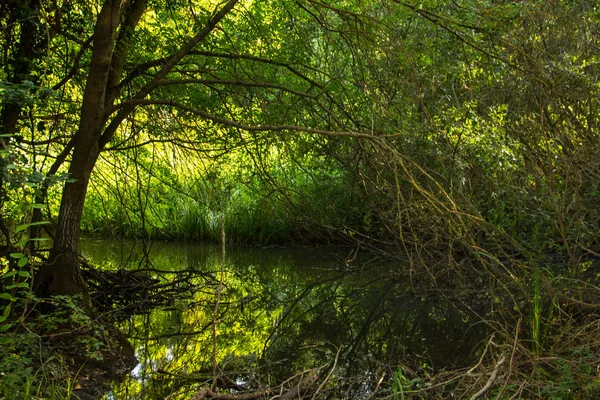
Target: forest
325 199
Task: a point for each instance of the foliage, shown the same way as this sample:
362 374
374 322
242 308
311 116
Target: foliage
49 355
458 138
186 201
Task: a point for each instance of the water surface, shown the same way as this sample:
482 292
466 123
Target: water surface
280 311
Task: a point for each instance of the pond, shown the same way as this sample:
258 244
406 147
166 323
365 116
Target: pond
256 317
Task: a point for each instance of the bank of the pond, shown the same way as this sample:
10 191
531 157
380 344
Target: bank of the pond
295 205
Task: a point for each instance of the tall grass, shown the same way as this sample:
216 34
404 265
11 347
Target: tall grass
293 205
536 320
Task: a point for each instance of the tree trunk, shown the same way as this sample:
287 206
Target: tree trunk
23 60
61 274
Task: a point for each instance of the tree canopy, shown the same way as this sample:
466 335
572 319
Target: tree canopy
460 137
434 115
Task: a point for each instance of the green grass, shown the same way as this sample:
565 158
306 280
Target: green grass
254 213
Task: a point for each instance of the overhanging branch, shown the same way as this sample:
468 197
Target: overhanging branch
249 128
169 82
169 64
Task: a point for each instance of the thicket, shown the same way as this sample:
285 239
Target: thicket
302 198
461 139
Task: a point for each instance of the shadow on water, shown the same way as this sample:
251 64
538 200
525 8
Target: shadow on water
281 311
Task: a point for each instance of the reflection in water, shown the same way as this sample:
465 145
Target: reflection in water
281 311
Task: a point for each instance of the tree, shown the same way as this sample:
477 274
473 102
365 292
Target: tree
112 37
280 74
280 67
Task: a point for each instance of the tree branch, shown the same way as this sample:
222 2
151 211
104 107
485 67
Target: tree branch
249 128
137 71
132 17
186 144
166 68
444 23
75 67
236 83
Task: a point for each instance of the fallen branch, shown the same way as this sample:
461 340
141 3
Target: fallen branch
490 381
207 393
295 392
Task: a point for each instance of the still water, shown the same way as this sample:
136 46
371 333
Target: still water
278 311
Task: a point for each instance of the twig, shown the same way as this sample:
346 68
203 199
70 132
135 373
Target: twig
487 346
490 381
298 390
512 357
206 393
282 394
337 356
376 387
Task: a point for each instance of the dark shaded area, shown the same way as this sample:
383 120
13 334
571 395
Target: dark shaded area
63 341
124 293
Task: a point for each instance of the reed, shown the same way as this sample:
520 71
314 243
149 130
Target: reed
254 213
536 320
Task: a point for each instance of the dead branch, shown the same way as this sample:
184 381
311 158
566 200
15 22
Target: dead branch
490 381
279 393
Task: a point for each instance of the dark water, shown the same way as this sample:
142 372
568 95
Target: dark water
281 311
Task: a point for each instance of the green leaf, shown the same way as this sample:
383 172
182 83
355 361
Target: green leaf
22 285
25 226
17 255
39 222
21 228
3 328
6 313
24 274
22 242
23 261
9 274
23 205
7 296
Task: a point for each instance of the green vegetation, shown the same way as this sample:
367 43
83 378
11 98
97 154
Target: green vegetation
458 139
186 200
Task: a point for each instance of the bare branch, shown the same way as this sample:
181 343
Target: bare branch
236 83
57 139
288 66
234 124
139 70
186 144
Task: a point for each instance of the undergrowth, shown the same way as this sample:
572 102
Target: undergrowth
293 204
60 354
